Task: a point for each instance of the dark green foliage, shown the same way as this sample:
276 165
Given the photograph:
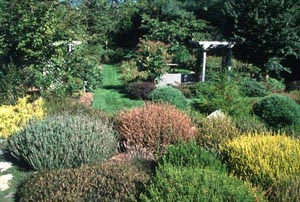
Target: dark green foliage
253 88
275 86
170 95
191 154
140 90
64 141
220 94
119 182
173 183
277 111
265 31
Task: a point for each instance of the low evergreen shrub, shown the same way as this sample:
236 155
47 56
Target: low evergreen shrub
269 160
119 182
275 86
191 154
64 141
277 111
170 95
140 90
153 126
173 183
252 88
249 124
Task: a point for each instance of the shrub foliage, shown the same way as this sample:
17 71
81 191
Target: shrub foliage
153 125
277 111
14 118
269 160
64 141
120 182
170 95
140 90
173 183
253 88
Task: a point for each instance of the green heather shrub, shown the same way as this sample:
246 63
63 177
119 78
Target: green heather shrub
140 90
173 183
269 160
64 141
119 182
286 191
153 126
170 95
277 111
252 88
191 154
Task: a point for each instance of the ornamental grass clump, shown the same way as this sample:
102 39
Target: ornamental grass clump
269 160
14 117
64 141
153 126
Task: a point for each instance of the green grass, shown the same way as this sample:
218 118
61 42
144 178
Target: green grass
111 97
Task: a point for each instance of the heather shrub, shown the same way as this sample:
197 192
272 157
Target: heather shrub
252 88
249 124
277 111
140 90
119 182
14 117
153 125
173 183
275 86
270 160
130 72
191 154
215 132
170 95
64 141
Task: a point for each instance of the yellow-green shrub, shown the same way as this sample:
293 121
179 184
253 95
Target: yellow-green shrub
264 159
14 117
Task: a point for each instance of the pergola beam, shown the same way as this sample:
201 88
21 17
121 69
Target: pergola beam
206 45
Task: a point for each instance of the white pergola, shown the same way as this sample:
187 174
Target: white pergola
206 45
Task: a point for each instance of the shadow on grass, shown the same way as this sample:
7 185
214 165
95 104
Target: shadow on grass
19 164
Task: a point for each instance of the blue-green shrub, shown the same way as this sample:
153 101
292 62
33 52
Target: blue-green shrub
277 111
253 88
64 141
170 95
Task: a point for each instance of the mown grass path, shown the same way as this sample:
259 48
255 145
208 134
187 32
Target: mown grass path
110 97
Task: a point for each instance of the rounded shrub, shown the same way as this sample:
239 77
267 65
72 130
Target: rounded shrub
153 125
105 183
64 141
270 160
140 90
253 88
191 154
173 183
170 95
277 111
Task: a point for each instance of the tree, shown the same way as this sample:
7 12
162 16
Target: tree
266 31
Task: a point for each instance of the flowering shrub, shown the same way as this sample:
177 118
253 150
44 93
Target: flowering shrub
14 118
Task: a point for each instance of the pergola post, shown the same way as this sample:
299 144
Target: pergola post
203 65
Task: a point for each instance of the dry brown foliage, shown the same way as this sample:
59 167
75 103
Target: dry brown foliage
154 125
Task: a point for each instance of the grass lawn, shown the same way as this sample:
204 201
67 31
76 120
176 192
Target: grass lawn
110 97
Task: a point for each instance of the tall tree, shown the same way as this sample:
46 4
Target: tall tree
266 31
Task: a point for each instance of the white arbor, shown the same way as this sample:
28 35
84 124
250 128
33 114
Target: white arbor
206 45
